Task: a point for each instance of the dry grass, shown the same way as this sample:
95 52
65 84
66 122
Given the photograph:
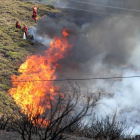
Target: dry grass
13 49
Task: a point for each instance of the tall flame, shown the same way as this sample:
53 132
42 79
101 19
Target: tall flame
29 90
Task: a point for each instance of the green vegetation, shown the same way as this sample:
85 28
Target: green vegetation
13 49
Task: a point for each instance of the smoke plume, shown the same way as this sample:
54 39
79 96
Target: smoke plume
104 46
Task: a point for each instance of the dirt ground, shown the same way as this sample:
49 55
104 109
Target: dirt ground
15 136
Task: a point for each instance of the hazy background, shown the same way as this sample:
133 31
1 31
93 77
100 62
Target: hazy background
105 45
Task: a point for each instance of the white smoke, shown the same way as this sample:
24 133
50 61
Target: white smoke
45 40
134 60
124 94
120 38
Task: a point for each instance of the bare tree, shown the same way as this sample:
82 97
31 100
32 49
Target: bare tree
64 112
23 124
75 129
107 128
62 115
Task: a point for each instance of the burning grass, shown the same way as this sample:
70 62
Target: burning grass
31 90
13 49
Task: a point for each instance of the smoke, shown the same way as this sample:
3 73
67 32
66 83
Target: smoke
90 3
108 40
47 26
45 40
125 100
104 6
104 46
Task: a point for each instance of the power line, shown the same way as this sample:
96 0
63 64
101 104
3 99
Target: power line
83 79
127 9
105 13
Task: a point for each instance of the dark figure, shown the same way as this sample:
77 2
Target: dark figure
17 25
34 16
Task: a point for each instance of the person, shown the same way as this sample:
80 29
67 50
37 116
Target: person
25 29
34 9
34 16
17 25
34 13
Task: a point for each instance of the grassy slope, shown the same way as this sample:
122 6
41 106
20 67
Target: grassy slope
13 49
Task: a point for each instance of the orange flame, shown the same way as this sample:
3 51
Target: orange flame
29 90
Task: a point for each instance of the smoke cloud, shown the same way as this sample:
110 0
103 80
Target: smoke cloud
104 46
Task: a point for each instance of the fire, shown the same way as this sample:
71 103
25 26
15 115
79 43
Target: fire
30 90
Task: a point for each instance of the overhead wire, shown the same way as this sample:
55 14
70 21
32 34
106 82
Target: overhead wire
92 11
113 7
105 13
84 79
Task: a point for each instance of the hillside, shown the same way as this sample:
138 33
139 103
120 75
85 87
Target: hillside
13 49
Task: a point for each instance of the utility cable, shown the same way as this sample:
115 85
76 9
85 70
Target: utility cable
133 10
105 13
83 79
